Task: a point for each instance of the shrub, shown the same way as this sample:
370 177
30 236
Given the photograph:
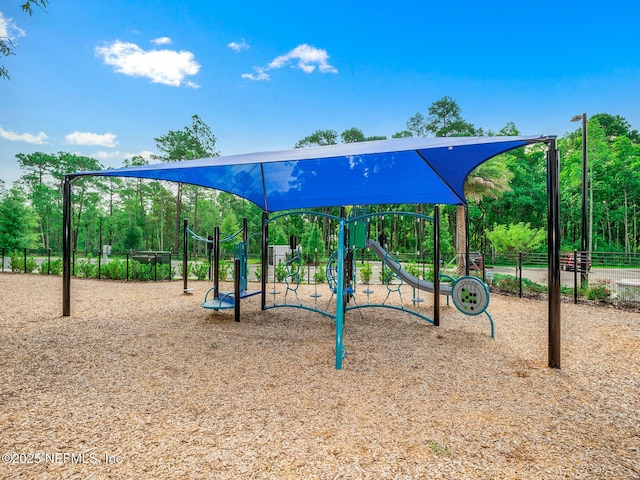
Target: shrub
599 291
165 271
200 270
366 272
320 276
32 265
141 271
281 271
507 283
386 275
413 269
258 272
53 268
86 269
114 270
223 271
16 263
529 286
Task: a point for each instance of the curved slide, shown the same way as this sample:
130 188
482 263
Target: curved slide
396 268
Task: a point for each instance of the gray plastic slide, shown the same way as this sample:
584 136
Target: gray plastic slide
396 268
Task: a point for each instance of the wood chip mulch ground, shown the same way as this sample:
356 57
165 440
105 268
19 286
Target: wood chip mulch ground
141 382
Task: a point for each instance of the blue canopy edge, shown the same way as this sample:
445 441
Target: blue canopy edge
404 170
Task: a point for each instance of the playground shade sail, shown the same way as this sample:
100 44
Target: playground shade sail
404 170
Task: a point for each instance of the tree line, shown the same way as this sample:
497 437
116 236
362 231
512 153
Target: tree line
507 196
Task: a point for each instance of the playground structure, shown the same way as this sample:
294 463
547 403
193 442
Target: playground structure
407 170
469 294
215 299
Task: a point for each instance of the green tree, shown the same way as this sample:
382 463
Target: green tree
445 120
7 45
132 237
18 222
42 191
312 241
615 126
416 126
190 143
516 238
402 134
318 138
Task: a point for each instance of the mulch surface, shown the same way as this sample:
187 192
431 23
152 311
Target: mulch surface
141 382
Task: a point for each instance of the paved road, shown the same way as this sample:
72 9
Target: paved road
539 275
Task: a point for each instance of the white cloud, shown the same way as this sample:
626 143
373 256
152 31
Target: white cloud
37 139
9 30
259 75
167 67
162 41
91 139
118 155
308 59
238 47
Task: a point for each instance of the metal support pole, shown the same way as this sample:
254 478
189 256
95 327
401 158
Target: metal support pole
584 277
265 260
236 289
575 277
216 260
553 220
340 296
66 246
436 265
520 274
467 257
185 263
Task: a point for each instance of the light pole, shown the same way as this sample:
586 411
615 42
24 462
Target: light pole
583 244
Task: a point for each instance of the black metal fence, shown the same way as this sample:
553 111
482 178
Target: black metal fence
604 277
139 266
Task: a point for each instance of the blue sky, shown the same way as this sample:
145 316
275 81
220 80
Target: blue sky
103 78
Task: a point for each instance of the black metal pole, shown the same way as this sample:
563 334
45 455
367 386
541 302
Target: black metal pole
265 260
216 259
520 274
236 289
185 263
467 257
48 261
66 246
25 259
436 265
575 277
127 266
553 235
583 244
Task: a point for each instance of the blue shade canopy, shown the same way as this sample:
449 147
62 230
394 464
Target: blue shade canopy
403 170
